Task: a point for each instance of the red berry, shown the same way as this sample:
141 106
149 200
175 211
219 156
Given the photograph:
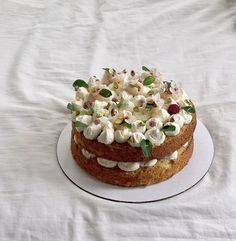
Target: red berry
173 109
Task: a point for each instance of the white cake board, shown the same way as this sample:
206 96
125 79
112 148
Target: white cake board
190 175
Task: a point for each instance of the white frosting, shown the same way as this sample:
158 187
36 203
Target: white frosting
175 132
92 131
122 136
86 119
107 135
136 138
127 105
87 154
183 103
150 163
162 115
184 96
186 144
94 81
82 93
155 136
106 163
187 117
172 156
78 104
157 99
178 119
159 87
105 122
138 126
154 122
139 100
145 90
142 114
129 166
125 95
100 112
170 101
98 105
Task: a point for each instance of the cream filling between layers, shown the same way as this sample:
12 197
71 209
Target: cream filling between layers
133 166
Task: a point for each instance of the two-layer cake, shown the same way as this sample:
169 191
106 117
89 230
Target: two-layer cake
131 129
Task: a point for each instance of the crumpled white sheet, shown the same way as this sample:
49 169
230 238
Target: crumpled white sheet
44 46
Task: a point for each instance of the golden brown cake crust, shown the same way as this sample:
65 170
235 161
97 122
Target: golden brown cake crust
127 153
141 177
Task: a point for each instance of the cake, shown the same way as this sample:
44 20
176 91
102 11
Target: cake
131 129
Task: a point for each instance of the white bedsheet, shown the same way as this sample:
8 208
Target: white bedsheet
44 46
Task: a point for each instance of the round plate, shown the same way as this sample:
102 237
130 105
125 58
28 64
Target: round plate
191 174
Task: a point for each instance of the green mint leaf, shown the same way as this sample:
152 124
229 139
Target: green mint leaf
189 109
120 103
70 106
146 147
106 69
113 71
126 124
105 93
148 80
144 68
168 128
168 85
80 125
80 83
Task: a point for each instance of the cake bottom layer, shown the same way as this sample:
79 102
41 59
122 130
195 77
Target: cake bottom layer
161 171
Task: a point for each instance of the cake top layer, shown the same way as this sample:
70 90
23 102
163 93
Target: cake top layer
138 108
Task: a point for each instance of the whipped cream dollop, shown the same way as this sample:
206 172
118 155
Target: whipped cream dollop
78 105
186 144
183 97
129 166
155 136
172 156
92 131
175 132
150 163
138 126
87 154
123 135
162 115
107 135
85 119
82 93
106 163
99 105
128 105
186 116
136 138
154 122
178 118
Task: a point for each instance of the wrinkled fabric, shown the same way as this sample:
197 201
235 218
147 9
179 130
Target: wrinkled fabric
45 46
